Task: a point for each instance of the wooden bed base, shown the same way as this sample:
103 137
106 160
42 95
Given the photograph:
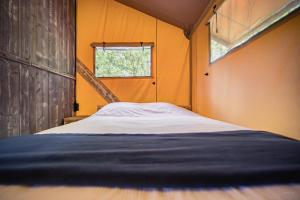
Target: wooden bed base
286 192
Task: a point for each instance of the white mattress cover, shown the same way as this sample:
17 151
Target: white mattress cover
143 118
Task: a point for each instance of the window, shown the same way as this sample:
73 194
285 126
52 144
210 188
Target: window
237 21
123 60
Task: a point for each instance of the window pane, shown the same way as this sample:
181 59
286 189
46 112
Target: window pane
237 21
123 61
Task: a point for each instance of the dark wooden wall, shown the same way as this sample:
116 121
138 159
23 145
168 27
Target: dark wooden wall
37 63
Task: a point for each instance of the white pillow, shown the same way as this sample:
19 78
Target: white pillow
126 109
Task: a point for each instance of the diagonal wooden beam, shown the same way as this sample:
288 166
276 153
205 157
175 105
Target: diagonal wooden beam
104 91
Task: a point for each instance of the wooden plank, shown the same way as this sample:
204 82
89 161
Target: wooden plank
65 38
71 57
40 32
9 26
71 99
4 100
38 98
60 33
33 73
4 23
104 91
53 34
68 120
72 18
54 83
121 44
25 29
14 98
24 100
61 99
44 119
72 96
66 101
13 39
9 98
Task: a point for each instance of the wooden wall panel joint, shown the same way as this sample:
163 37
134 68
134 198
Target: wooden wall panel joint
8 56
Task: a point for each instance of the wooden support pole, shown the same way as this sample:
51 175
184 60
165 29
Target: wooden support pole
104 91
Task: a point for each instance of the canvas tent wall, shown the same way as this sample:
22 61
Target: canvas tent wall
256 85
110 21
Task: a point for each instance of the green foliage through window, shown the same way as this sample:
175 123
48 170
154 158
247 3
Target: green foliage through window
123 61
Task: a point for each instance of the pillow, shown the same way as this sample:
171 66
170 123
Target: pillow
126 109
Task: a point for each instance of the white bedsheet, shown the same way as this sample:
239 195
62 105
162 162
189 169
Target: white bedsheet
145 118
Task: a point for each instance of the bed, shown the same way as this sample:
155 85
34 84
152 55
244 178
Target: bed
149 151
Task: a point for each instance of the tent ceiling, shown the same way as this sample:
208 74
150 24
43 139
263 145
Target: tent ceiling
181 13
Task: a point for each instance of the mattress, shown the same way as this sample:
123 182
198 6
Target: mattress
156 118
144 118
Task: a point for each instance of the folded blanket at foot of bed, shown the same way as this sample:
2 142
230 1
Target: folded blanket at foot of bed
153 160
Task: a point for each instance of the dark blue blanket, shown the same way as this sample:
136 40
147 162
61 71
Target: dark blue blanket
168 160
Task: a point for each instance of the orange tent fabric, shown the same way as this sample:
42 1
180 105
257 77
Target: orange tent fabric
110 21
